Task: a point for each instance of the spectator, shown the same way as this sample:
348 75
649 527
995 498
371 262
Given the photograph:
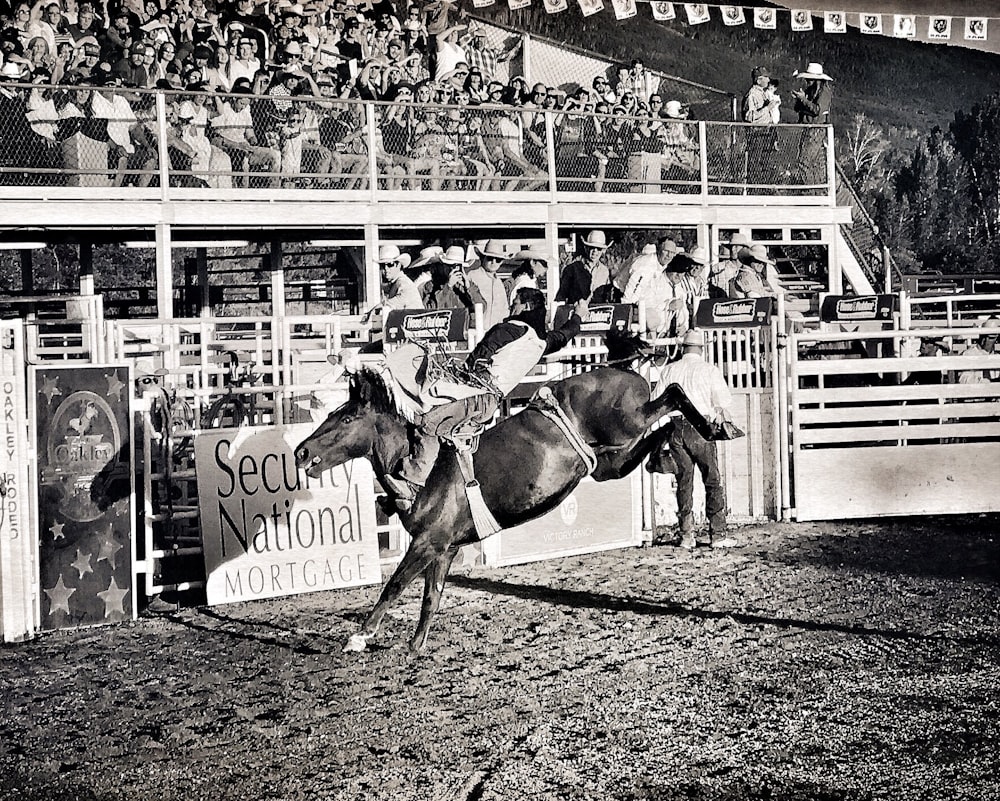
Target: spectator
680 149
602 91
752 281
45 21
643 287
449 52
448 287
812 104
234 133
496 306
420 270
758 103
246 64
436 22
533 126
984 346
475 87
488 59
129 144
583 275
681 292
707 389
130 67
501 137
724 271
398 291
217 171
532 267
87 24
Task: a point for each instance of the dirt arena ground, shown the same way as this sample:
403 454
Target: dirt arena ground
820 661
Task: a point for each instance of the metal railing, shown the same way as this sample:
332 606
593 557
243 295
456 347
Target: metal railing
177 144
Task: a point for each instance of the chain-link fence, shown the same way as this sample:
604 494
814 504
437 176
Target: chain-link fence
98 137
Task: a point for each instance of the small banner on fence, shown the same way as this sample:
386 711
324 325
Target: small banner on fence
721 313
975 29
858 308
870 23
590 7
663 11
83 426
733 15
904 26
697 13
802 20
765 19
939 28
440 324
555 6
835 22
268 530
603 317
624 9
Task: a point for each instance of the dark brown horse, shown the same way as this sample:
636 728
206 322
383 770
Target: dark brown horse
525 465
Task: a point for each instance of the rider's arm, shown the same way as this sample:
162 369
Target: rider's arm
562 336
497 337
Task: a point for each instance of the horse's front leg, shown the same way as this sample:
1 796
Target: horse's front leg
434 578
673 398
615 463
420 553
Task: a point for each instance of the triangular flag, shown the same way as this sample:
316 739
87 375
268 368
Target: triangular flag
697 13
590 7
835 22
733 15
555 6
624 8
975 28
904 26
764 18
663 11
802 20
870 23
939 28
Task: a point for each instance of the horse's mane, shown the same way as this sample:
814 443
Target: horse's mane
623 346
368 388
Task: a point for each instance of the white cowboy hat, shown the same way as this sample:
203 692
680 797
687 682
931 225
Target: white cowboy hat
757 253
533 252
491 249
454 255
596 239
387 253
693 339
739 239
812 72
698 256
673 108
427 255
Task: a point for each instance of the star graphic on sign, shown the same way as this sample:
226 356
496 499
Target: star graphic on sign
115 385
113 597
49 388
59 596
82 563
57 531
109 551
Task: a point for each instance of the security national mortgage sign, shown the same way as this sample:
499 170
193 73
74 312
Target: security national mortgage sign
269 530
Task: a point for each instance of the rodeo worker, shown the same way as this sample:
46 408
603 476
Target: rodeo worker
507 353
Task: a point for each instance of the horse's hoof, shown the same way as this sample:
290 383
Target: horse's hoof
355 643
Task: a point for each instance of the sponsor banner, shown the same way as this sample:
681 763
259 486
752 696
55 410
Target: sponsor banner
603 317
802 20
855 308
83 427
870 23
835 22
441 324
939 28
268 530
594 517
721 313
18 592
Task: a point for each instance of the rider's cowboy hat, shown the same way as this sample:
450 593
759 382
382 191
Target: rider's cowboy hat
596 239
812 72
757 253
455 255
427 255
532 253
491 249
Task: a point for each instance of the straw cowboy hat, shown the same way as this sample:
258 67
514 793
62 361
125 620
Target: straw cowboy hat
455 255
596 239
756 254
532 253
491 250
693 339
813 72
697 256
427 255
387 253
739 239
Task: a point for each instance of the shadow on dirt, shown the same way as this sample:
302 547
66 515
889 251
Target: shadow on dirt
255 631
580 599
648 790
963 547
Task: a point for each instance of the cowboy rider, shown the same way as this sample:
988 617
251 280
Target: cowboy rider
506 354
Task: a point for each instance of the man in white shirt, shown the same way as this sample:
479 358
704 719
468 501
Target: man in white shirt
233 131
491 285
706 387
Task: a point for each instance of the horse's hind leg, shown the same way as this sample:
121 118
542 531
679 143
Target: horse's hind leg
434 578
417 557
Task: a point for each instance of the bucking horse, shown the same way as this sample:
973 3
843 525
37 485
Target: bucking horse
526 465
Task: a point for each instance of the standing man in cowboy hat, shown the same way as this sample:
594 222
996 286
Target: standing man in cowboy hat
705 385
812 104
491 285
583 275
752 280
725 269
448 287
681 290
398 291
530 265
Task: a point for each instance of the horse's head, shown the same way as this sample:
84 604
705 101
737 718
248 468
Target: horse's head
350 431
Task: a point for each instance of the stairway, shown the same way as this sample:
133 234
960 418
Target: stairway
862 256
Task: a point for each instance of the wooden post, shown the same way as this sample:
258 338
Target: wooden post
164 273
86 268
276 266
